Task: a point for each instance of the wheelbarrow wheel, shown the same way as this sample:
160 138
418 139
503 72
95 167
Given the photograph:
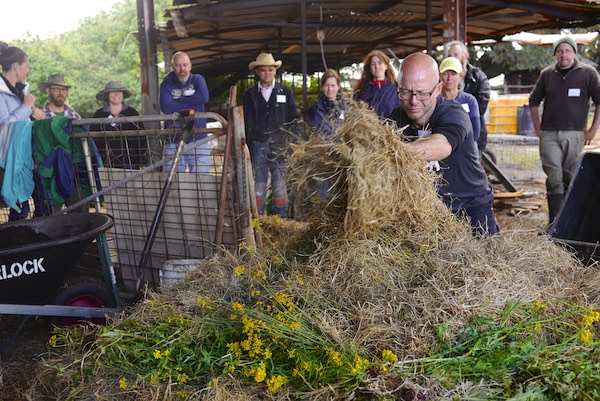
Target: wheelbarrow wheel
83 292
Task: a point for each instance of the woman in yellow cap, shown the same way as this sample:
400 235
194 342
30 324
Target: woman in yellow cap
450 70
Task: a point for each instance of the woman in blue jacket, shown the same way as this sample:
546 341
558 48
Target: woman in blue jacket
377 85
16 103
450 70
327 115
325 118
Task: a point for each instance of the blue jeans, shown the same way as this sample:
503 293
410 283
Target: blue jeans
263 162
13 215
196 160
42 198
482 219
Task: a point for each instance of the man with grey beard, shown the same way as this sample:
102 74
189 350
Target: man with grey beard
181 90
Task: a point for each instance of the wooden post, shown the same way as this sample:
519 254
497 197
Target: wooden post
243 171
455 25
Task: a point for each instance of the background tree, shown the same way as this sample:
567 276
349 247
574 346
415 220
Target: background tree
102 48
522 63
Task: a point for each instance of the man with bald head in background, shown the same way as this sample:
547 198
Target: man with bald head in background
181 90
440 130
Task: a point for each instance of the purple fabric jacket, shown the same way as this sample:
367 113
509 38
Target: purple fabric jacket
383 100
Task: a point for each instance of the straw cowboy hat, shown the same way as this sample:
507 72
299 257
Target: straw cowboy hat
266 60
54 79
113 86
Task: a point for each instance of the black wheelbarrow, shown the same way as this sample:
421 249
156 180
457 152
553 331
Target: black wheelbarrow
37 256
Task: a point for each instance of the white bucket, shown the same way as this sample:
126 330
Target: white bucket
175 270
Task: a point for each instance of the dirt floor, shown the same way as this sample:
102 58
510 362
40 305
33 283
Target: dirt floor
20 350
528 212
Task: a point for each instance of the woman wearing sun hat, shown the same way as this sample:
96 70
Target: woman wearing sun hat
123 152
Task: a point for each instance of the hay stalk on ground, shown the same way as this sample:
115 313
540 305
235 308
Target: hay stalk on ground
392 288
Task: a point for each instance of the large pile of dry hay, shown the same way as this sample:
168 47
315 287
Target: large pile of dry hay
397 262
376 185
390 264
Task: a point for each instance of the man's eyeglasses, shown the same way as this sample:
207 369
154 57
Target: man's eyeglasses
59 89
407 94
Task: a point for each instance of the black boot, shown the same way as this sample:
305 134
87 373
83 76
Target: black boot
555 202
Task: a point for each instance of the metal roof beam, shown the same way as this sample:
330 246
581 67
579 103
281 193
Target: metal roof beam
196 10
324 25
382 7
258 23
484 17
561 13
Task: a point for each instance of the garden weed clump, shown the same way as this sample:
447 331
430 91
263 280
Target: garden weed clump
385 295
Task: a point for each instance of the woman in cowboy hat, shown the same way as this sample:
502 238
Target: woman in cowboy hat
123 152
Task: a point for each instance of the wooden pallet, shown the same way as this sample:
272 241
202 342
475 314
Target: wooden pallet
520 202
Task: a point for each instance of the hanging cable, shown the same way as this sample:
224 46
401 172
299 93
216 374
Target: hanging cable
321 37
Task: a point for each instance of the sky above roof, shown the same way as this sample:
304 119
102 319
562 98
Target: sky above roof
44 18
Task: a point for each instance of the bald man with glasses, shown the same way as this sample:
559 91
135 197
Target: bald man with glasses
439 131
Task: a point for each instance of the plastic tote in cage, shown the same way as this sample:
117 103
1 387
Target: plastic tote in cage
578 223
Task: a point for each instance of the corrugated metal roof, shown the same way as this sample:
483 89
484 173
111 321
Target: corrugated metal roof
223 36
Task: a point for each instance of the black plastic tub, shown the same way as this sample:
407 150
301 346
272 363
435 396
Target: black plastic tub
36 255
578 223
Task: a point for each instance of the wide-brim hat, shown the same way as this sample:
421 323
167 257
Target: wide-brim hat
113 86
451 64
266 60
54 79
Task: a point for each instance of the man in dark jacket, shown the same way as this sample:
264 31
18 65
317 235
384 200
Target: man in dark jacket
182 90
269 116
565 88
475 82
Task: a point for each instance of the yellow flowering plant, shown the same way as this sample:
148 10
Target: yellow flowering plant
266 338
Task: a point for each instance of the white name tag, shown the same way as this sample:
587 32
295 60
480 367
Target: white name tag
281 98
189 92
466 107
574 92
